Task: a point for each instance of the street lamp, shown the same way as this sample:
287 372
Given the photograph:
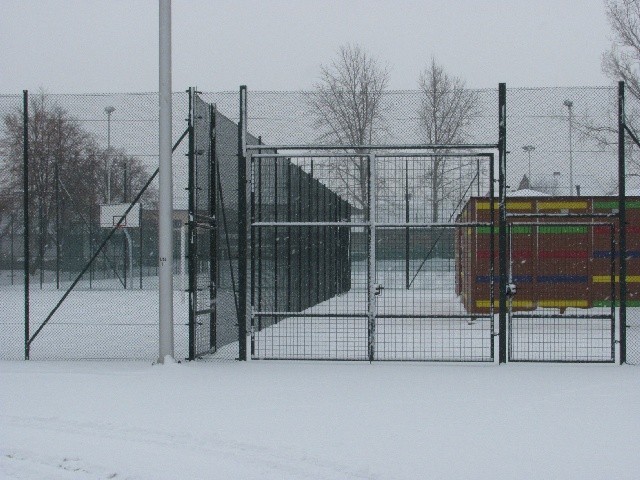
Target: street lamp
529 149
109 110
569 105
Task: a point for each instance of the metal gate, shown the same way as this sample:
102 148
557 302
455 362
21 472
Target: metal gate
201 224
350 260
561 290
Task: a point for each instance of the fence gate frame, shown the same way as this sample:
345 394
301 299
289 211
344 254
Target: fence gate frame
370 223
247 154
198 222
572 220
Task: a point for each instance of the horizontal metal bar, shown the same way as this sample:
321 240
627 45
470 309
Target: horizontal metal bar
304 314
562 317
564 224
377 224
561 215
308 155
435 225
205 312
443 316
561 361
431 155
412 146
310 224
381 155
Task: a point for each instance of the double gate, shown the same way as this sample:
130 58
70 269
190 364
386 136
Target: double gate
351 260
389 253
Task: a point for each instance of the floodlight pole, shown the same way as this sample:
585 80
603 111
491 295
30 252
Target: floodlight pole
529 149
165 214
569 105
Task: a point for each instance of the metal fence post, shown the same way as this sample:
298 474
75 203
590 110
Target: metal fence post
406 217
371 263
213 232
622 223
191 228
502 223
57 200
25 204
242 226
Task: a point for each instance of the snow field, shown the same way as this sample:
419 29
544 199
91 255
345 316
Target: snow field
297 420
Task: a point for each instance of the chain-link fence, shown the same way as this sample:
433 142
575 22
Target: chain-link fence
88 151
89 156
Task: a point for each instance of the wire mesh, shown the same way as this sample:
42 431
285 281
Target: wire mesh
86 151
632 170
558 139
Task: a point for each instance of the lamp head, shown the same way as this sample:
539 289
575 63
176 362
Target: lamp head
109 110
568 103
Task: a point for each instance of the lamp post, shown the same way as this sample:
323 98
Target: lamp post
569 105
529 149
109 110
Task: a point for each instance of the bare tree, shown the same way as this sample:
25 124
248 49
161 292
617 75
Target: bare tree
445 112
347 106
59 149
622 61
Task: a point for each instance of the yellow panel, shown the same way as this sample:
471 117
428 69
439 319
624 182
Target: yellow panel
518 205
563 303
607 278
562 205
510 205
496 303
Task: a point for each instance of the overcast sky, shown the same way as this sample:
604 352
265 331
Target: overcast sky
67 46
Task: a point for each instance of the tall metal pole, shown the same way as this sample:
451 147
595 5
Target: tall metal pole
529 149
165 214
502 223
569 105
243 226
622 225
25 198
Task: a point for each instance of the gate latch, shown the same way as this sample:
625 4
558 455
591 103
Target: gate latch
511 290
378 290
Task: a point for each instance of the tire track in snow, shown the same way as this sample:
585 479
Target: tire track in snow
277 462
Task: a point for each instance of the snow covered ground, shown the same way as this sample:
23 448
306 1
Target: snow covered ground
297 420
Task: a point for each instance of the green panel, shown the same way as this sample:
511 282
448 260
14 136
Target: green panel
563 229
611 205
514 230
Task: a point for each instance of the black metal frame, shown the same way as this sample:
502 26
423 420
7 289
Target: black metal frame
202 227
554 316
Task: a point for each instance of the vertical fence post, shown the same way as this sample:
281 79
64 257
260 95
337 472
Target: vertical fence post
41 239
622 223
141 240
492 247
289 165
259 252
371 262
11 247
213 230
406 218
192 254
25 207
242 226
57 199
502 223
91 245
